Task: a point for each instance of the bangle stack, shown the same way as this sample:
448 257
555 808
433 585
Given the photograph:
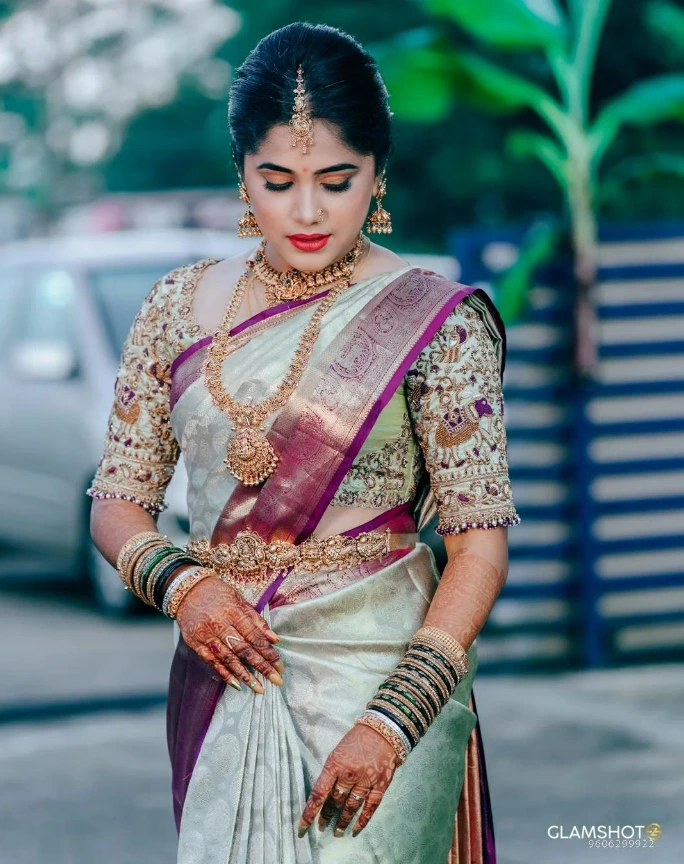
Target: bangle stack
408 702
146 564
186 581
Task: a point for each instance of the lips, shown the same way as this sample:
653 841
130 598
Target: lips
308 242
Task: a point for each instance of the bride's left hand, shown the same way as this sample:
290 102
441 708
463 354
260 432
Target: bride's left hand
363 763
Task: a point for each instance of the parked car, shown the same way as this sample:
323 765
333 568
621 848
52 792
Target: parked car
66 305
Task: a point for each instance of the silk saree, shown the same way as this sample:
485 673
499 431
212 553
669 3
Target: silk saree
243 764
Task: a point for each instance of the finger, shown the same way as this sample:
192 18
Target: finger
371 804
246 623
315 801
355 801
333 804
241 673
224 672
259 620
252 656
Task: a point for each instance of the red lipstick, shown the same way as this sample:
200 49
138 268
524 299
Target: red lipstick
308 242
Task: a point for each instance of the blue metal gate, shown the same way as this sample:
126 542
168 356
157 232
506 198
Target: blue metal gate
597 565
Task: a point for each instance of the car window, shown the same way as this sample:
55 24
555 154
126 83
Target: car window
48 311
120 291
10 282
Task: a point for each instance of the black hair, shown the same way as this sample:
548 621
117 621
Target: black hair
343 86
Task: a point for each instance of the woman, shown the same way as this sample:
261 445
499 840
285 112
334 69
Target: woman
328 398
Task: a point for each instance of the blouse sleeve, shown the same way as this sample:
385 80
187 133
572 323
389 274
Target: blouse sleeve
140 452
456 404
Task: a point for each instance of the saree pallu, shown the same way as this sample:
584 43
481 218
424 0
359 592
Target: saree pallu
244 764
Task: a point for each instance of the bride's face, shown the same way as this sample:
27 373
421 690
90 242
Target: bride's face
290 191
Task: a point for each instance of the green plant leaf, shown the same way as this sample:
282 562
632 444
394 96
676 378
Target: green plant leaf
644 104
511 24
419 77
493 87
522 144
513 287
666 23
642 169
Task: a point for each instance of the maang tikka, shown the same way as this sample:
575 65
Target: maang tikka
301 124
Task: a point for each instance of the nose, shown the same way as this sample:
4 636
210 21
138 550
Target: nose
306 207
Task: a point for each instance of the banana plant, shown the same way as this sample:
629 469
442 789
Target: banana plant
427 74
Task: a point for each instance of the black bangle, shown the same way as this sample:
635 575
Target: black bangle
431 663
437 662
429 697
412 715
165 577
392 716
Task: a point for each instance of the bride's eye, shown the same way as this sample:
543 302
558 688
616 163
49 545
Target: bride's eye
277 187
338 187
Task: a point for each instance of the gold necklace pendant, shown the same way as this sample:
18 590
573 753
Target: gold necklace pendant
250 456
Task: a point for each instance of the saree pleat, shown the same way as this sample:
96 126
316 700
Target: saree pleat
262 754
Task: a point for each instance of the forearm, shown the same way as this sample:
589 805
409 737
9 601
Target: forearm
113 522
472 580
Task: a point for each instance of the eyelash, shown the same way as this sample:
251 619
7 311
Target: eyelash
282 187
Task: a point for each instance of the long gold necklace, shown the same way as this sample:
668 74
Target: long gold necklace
250 456
296 284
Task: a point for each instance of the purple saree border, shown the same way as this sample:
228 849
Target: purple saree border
245 325
352 451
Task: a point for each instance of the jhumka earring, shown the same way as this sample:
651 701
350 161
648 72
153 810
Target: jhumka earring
301 124
247 225
380 221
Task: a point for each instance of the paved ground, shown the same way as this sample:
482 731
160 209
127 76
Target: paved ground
586 749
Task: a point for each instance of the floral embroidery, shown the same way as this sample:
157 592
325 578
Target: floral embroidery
383 478
140 451
454 393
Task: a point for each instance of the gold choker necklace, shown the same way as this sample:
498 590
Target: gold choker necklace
294 284
250 457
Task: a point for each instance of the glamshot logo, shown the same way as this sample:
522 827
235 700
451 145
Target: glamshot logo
609 836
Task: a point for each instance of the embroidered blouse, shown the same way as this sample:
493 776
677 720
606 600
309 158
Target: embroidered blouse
445 418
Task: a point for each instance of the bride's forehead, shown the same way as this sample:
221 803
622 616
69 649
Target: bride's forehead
328 149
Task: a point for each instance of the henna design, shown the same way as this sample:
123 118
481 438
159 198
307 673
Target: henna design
470 584
209 612
362 761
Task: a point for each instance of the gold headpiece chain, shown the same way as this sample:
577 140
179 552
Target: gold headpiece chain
301 124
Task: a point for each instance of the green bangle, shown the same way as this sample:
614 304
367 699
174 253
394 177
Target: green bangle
424 713
150 565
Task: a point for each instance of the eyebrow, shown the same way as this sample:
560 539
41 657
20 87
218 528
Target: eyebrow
343 166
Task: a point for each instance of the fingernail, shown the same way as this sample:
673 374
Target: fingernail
274 678
302 830
322 825
280 666
235 683
273 635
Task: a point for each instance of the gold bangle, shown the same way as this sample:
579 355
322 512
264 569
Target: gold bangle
413 690
184 587
398 715
141 563
424 671
420 681
387 733
131 547
452 650
179 556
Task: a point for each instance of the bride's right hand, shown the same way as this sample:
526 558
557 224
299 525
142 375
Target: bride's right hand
213 610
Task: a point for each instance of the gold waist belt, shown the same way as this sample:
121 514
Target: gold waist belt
250 561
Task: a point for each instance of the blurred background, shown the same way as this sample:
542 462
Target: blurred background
539 155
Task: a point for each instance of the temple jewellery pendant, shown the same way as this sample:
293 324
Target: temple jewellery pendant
250 456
